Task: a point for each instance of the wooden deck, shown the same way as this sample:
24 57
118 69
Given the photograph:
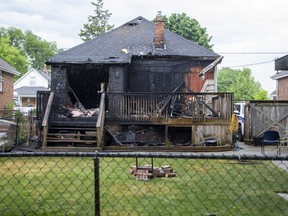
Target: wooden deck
138 149
168 148
211 112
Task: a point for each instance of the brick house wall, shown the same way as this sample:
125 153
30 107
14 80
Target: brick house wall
6 95
282 90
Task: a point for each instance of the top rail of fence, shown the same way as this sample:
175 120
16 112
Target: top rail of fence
144 155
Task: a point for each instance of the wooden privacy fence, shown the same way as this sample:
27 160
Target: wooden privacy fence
159 107
261 116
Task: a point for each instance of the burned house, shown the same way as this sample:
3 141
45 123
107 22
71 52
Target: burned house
138 74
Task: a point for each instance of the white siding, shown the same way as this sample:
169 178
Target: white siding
25 80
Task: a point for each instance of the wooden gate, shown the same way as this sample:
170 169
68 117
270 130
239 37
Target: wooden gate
261 116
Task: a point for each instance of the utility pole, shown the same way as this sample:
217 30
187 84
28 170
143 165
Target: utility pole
105 23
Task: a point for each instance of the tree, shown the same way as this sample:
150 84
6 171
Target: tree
262 95
188 28
16 36
241 83
97 24
13 56
226 78
36 49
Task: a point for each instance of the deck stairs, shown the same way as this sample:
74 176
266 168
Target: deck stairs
75 133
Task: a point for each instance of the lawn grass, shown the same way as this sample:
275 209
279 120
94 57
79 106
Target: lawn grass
65 186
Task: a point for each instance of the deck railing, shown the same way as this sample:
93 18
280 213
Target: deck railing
161 107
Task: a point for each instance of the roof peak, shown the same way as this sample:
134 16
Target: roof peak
136 38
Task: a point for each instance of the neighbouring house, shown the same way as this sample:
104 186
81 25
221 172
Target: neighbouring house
273 95
281 77
7 73
137 74
26 87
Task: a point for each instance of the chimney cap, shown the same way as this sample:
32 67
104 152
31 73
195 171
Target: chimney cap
159 13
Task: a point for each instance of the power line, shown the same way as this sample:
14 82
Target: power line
253 64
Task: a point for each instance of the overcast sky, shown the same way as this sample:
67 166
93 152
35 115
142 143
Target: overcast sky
248 33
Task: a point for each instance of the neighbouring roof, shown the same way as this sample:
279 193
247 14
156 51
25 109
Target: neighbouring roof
42 74
4 66
281 63
29 90
45 75
280 75
134 38
273 93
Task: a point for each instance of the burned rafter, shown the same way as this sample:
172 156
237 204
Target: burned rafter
162 105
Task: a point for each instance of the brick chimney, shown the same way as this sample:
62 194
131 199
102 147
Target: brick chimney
159 32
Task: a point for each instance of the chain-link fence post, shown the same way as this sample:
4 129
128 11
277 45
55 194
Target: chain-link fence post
17 128
97 186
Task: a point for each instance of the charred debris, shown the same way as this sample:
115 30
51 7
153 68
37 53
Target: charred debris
145 135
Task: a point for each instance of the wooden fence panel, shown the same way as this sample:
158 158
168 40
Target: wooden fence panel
261 116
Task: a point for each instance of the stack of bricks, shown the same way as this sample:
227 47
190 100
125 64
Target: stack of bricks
146 172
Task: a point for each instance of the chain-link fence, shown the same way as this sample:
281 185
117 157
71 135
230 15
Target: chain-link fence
17 130
142 184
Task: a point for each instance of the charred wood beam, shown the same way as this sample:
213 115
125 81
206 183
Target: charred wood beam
166 101
172 97
215 114
213 64
114 137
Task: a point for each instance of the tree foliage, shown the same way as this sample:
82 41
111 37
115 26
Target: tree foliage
36 49
262 95
13 56
241 83
188 28
97 24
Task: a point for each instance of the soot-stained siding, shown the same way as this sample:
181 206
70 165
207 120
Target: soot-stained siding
60 88
164 75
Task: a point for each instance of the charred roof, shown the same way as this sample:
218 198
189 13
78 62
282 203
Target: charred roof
134 38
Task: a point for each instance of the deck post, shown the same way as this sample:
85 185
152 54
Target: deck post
166 132
45 119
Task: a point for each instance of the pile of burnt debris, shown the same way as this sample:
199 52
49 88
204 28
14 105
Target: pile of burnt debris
82 113
149 136
138 136
146 172
77 109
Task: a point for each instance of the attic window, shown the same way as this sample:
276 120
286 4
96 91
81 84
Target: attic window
32 81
